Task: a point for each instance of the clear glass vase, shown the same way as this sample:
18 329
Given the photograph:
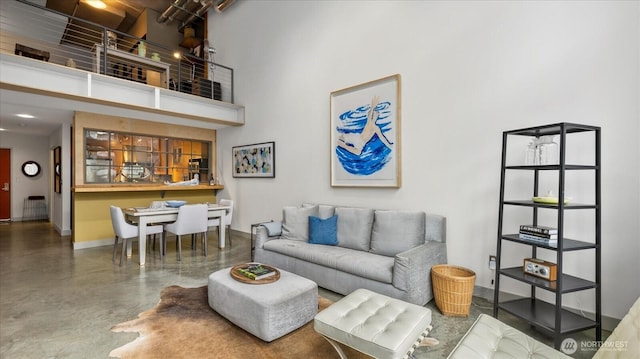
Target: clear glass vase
548 151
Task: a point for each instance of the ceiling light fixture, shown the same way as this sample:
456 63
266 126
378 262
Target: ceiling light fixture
25 115
189 40
96 3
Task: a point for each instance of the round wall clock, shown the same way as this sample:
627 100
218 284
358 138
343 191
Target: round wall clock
31 168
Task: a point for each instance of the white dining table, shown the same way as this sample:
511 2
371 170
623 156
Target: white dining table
145 216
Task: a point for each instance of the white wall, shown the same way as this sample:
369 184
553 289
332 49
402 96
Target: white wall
470 70
61 202
26 148
39 148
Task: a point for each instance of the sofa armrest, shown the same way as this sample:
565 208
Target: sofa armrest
412 270
263 230
410 267
435 228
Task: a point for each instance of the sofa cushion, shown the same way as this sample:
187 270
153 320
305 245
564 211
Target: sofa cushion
354 227
296 222
322 255
324 210
323 231
363 264
366 265
396 231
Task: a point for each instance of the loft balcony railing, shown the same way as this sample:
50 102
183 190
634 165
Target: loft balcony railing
34 31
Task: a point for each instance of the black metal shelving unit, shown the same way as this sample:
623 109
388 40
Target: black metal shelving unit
552 318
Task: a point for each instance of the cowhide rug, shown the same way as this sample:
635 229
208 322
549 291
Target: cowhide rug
183 325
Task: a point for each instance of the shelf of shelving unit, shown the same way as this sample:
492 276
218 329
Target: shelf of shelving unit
568 244
542 315
553 318
570 283
530 203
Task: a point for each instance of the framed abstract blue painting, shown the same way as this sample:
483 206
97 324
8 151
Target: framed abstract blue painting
365 134
257 160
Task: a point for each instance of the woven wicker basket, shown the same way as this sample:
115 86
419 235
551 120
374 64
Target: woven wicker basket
453 289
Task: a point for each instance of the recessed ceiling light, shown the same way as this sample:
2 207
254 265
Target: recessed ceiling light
25 115
96 3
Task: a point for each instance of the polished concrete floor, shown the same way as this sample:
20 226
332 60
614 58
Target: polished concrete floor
59 303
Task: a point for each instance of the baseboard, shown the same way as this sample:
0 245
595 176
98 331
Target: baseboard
237 233
62 232
92 244
608 323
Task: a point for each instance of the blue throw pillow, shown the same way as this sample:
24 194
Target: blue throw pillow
323 231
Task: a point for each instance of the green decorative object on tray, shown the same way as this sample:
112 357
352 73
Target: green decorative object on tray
254 273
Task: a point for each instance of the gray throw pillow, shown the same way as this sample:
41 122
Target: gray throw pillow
274 228
324 210
397 231
354 227
295 223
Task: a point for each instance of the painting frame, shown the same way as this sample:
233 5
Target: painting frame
256 160
366 152
57 170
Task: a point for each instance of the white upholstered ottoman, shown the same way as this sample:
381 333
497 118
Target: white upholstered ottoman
374 324
267 311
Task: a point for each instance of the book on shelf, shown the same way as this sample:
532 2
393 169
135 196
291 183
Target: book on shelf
541 235
532 238
538 229
256 271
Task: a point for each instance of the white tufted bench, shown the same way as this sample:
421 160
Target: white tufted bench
490 338
374 324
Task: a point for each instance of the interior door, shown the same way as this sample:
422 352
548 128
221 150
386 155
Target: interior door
5 184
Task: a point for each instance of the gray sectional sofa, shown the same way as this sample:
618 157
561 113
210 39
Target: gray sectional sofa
390 252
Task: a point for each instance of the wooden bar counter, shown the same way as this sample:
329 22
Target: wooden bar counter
92 220
125 162
142 188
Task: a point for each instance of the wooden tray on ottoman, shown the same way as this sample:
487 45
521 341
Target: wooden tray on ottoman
239 277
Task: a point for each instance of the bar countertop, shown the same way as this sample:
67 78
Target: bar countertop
142 188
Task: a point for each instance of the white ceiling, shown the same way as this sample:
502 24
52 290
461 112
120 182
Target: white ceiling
50 113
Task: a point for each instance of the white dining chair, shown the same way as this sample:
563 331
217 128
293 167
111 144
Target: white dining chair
192 219
126 231
226 220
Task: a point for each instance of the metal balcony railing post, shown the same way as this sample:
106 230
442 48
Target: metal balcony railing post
231 70
105 39
179 84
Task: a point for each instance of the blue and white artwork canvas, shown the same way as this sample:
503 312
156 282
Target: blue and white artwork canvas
365 140
257 160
